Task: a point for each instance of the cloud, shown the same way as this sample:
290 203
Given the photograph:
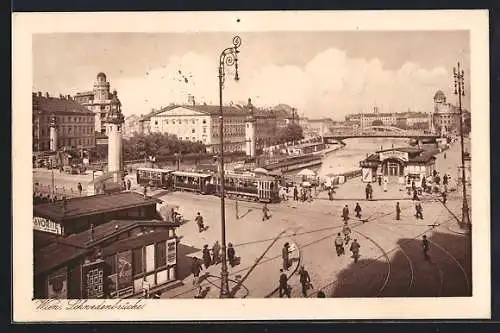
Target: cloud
331 84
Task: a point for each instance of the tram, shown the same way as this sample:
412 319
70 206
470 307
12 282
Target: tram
192 181
248 187
154 177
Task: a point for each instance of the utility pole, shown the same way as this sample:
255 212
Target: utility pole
458 76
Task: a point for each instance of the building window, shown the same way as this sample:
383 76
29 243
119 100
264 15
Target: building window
161 254
194 139
192 131
156 122
173 121
204 121
137 262
204 130
79 142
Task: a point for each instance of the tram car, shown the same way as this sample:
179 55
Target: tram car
249 187
160 178
192 181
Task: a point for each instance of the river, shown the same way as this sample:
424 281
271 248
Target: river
347 158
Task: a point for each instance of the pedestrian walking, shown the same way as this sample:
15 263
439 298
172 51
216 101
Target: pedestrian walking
398 211
345 213
124 185
199 221
419 211
231 254
385 184
347 232
415 195
379 180
207 259
295 194
339 245
196 269
444 197
445 179
79 187
358 209
265 212
370 191
283 285
425 247
330 193
216 253
129 184
285 255
305 280
355 249
144 191
444 155
367 192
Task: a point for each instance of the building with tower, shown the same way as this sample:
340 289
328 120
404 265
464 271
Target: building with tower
59 123
99 101
446 116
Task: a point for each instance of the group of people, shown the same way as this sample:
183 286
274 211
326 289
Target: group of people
340 243
211 257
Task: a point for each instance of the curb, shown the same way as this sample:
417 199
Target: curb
299 256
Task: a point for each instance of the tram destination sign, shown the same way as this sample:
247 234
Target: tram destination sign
393 154
46 225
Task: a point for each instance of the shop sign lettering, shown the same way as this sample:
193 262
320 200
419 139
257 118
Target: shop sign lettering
393 154
43 224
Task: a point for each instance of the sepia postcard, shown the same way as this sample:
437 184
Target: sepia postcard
251 166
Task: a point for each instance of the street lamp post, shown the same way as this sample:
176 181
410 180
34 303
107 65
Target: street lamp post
458 76
228 57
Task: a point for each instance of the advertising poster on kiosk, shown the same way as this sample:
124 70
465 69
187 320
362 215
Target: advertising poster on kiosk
93 280
124 269
57 284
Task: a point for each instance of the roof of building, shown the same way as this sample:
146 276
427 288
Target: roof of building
75 245
416 155
439 95
90 205
101 74
85 93
58 105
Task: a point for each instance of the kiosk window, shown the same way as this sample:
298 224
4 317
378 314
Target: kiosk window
110 264
161 254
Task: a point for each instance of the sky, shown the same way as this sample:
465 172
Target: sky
322 74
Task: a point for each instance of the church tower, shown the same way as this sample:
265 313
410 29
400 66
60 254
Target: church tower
250 130
114 127
101 88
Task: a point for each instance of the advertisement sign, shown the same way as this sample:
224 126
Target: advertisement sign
171 251
150 258
393 154
57 284
124 270
46 225
367 175
93 280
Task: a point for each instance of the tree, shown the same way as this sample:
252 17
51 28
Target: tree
292 132
377 122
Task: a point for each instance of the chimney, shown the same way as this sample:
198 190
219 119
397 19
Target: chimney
47 95
61 96
39 94
92 232
69 98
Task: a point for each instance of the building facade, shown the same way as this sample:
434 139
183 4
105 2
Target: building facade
131 126
99 101
61 123
446 117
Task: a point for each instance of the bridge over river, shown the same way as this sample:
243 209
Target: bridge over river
379 132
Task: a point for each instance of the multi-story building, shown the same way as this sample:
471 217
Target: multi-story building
98 101
60 123
316 127
200 123
446 117
131 126
399 119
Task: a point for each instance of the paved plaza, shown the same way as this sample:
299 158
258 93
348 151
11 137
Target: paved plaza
391 262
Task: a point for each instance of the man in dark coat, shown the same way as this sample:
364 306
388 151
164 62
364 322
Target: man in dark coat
265 212
231 254
358 209
295 194
355 249
207 259
283 285
444 197
80 189
367 192
345 213
445 179
129 184
285 255
305 280
199 221
419 211
216 253
379 180
398 211
425 247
